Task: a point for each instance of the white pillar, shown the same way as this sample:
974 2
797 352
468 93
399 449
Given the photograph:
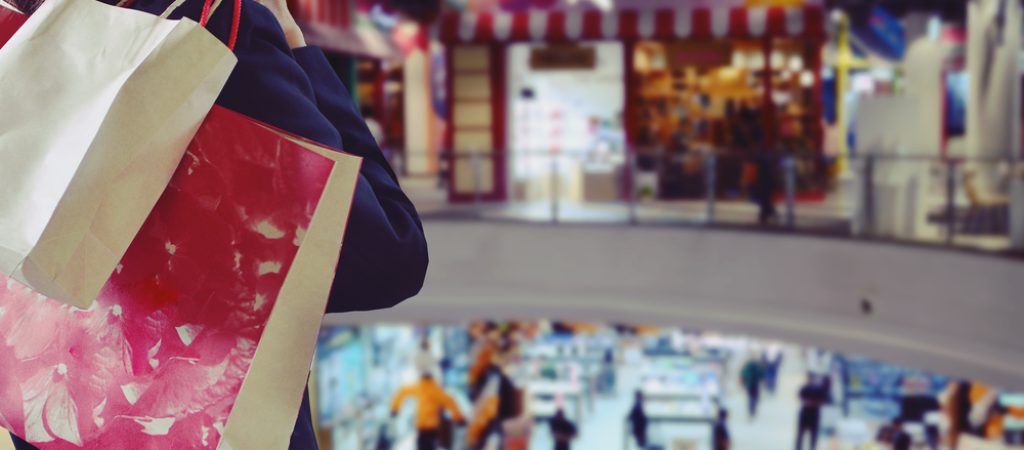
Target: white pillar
993 61
419 115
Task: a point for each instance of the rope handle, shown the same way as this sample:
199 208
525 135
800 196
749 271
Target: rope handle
209 7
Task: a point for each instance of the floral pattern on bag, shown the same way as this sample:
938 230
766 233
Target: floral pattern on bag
159 359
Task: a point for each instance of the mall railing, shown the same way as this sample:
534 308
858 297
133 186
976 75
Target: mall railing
975 203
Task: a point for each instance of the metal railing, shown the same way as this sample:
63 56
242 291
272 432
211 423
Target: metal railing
959 202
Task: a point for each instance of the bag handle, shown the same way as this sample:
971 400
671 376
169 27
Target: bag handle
209 7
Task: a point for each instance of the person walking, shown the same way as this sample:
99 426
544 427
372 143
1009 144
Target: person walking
720 433
812 396
751 376
563 430
431 402
772 363
765 185
638 421
901 440
608 372
283 82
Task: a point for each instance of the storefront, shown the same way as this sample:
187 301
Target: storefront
383 58
566 106
685 72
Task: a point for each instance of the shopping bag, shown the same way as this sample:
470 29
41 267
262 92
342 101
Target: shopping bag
204 335
99 104
10 20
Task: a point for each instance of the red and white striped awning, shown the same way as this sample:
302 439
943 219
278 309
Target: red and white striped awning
685 23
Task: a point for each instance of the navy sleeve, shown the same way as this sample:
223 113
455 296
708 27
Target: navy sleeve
266 84
384 256
384 260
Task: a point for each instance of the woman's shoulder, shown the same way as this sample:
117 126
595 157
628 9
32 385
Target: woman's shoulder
256 22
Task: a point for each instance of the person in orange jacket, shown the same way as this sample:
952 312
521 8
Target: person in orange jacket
431 402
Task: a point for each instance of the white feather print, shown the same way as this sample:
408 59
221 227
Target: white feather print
33 394
61 415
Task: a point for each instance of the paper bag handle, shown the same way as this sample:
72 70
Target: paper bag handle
209 7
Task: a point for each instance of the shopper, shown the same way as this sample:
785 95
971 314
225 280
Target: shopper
280 81
608 372
638 421
986 418
765 185
487 340
431 403
812 397
957 408
720 434
497 400
772 363
563 431
901 440
383 438
751 376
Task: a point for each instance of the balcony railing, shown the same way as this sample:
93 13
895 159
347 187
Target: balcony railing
970 203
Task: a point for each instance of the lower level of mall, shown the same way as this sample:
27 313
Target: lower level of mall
594 373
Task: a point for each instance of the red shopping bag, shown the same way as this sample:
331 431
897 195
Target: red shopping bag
215 305
10 21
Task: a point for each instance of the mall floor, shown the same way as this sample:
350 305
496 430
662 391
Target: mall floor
603 426
773 428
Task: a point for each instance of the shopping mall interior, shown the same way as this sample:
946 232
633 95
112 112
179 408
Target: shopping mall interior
688 225
654 196
592 373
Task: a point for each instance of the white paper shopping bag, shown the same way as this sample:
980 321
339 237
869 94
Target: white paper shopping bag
98 106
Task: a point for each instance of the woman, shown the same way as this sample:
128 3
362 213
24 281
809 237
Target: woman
281 81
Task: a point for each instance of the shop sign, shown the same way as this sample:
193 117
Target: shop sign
700 54
563 57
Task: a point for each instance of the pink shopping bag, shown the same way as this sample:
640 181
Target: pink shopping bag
203 336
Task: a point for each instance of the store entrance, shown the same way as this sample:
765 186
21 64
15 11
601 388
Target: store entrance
566 140
726 101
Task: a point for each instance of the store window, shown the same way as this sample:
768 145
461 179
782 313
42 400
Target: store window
565 121
698 98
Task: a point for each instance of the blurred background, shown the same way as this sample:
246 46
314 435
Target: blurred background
645 214
819 204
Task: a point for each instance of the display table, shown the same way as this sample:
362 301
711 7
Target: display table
666 417
544 396
654 391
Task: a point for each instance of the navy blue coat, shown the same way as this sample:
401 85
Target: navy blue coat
384 259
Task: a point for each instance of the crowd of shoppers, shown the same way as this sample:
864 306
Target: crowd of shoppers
500 418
